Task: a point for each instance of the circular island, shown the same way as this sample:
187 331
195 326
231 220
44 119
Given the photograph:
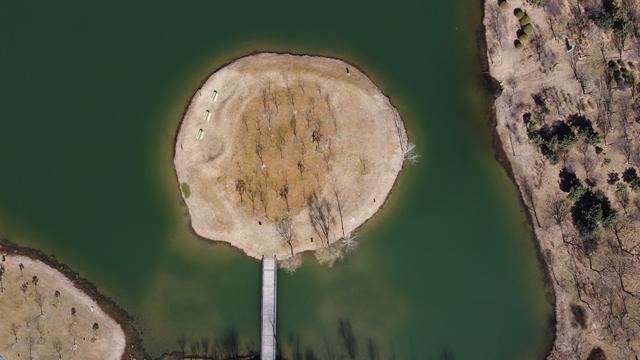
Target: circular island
278 154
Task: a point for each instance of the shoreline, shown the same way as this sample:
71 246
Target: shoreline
176 182
492 90
133 342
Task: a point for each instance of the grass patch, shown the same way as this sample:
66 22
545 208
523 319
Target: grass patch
186 190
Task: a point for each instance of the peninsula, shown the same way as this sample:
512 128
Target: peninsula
568 127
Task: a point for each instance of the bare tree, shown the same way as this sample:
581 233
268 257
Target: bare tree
577 73
635 155
588 163
496 25
39 299
538 42
95 329
320 217
603 119
551 24
284 193
57 347
40 330
554 96
411 154
339 204
56 296
14 331
241 188
30 342
1 275
527 193
620 227
549 258
632 10
626 147
285 231
263 200
578 22
559 210
622 267
34 281
260 153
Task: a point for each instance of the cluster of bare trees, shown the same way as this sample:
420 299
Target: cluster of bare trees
31 333
320 217
604 272
293 129
599 272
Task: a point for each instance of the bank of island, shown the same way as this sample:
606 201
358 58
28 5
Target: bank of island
568 125
279 154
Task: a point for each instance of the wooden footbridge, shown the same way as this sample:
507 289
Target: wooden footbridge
269 292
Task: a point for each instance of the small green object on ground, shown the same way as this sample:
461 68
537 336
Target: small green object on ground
186 190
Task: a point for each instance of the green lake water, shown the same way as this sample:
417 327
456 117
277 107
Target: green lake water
90 97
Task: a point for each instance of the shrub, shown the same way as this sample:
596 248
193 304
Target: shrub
528 29
613 178
537 3
579 315
577 192
186 190
504 5
525 20
592 210
597 354
585 129
570 183
612 17
538 99
630 176
518 13
518 45
524 38
552 140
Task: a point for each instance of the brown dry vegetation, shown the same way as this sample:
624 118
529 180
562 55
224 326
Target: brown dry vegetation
294 148
588 226
44 316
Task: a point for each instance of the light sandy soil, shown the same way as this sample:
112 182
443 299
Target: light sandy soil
279 154
37 324
603 283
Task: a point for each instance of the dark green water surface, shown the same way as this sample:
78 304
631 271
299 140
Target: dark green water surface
91 94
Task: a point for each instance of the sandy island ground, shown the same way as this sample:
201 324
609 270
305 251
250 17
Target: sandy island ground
566 70
278 154
44 316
